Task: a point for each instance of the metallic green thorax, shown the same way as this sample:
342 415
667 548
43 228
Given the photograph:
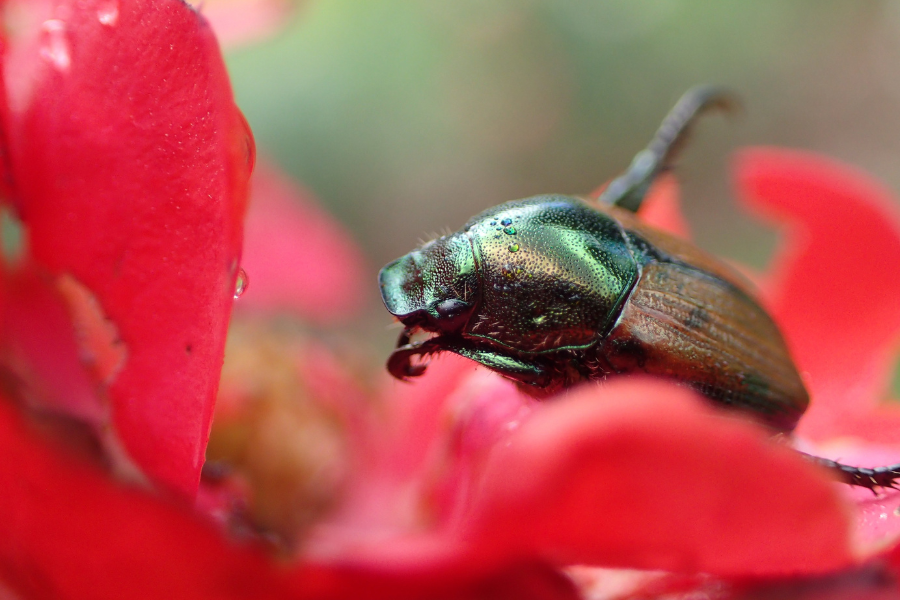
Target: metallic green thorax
553 273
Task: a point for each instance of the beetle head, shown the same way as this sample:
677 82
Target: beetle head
434 288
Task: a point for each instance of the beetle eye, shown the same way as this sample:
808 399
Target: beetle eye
450 308
452 314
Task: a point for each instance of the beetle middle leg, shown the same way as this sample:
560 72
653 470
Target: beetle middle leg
628 190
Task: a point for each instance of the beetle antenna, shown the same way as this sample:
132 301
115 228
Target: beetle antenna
628 190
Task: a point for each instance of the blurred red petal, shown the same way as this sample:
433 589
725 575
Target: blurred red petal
395 441
68 532
833 290
298 257
662 208
481 414
41 349
129 161
640 474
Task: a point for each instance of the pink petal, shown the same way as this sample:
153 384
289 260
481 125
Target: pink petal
298 258
129 164
640 474
833 292
243 22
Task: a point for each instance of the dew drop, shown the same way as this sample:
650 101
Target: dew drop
513 248
509 231
108 13
55 44
242 283
506 222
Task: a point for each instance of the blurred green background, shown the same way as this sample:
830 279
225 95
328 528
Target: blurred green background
407 117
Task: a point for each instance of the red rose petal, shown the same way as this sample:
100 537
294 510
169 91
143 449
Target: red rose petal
834 293
640 474
129 163
297 257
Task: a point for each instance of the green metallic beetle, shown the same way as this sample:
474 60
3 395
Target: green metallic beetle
553 290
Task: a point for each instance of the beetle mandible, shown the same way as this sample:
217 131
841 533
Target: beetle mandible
552 290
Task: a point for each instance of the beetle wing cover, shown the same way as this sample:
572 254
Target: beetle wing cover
690 325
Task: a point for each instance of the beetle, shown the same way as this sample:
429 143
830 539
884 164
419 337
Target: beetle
553 290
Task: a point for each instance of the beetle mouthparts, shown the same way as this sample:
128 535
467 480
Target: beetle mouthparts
400 362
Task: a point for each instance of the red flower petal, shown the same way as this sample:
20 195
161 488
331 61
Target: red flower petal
298 258
129 166
68 532
640 474
835 294
662 208
394 444
42 350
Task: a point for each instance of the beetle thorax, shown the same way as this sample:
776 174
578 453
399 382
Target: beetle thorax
553 273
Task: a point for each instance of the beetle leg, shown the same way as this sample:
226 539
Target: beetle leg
508 366
879 477
628 190
400 362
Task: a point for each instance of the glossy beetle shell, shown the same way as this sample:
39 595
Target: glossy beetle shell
559 290
694 319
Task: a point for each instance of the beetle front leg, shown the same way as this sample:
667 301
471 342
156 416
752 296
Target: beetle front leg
509 366
400 364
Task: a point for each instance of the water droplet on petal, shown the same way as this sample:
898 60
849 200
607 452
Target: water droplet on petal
108 13
242 283
506 222
513 248
54 46
509 231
